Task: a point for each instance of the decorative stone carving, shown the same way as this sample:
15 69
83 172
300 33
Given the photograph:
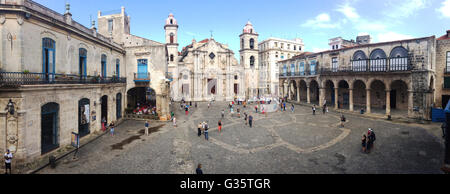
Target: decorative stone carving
2 19
20 19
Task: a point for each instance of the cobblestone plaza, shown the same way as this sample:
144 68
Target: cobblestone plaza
278 143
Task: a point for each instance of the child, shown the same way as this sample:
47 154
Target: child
220 126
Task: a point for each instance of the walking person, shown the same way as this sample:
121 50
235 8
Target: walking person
250 121
220 126
195 104
111 129
223 114
206 131
371 141
256 108
8 159
364 143
342 120
174 121
146 128
314 110
245 118
172 114
199 128
324 109
292 108
199 169
186 109
284 106
104 124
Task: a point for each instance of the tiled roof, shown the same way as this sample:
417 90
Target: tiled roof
445 37
204 41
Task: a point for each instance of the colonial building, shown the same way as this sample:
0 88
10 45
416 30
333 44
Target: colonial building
443 70
339 42
271 51
391 78
58 76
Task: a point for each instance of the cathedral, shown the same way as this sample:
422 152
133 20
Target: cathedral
207 70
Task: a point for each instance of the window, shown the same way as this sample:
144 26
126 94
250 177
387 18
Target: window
276 55
48 58
117 67
399 59
142 69
282 45
242 43
334 64
252 43
447 82
295 47
82 62
312 67
289 46
276 44
171 21
171 58
301 68
236 77
172 38
110 26
103 66
252 61
212 56
448 62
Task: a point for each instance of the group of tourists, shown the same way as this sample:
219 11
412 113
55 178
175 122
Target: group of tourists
368 141
145 109
105 126
203 128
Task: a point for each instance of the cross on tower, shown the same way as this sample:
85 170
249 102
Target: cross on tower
211 34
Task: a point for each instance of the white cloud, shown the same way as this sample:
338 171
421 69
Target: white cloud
445 9
348 11
363 34
371 26
392 36
405 8
321 21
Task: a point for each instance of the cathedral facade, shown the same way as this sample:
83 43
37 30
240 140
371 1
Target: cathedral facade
207 70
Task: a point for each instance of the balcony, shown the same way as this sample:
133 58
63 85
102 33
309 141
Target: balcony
299 74
16 79
142 77
371 66
169 76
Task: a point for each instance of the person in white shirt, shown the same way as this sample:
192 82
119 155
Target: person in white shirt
8 158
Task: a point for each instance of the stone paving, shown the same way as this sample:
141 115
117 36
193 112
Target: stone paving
279 143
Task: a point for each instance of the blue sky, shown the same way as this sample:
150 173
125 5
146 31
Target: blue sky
313 21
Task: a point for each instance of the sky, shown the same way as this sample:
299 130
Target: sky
313 21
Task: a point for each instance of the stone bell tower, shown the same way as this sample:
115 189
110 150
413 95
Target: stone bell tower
249 59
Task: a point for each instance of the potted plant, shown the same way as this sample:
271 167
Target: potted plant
26 71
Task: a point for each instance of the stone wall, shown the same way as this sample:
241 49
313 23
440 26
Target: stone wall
442 47
30 100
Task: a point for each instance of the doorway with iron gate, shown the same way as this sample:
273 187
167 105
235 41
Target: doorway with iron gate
83 117
49 127
104 107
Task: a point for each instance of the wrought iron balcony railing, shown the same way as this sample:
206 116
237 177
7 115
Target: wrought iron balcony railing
142 77
21 78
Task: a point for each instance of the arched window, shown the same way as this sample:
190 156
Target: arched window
378 60
359 62
242 43
252 43
48 58
252 61
171 21
171 58
103 67
82 62
171 38
399 59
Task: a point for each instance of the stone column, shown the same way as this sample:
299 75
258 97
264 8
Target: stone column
410 103
289 92
336 98
368 101
308 95
321 96
388 102
298 92
350 90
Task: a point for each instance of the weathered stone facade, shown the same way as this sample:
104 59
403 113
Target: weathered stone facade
62 77
442 94
393 75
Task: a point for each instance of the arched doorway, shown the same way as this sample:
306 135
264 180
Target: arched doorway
343 95
104 106
140 98
49 127
303 89
314 90
83 117
329 93
359 95
119 106
378 97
